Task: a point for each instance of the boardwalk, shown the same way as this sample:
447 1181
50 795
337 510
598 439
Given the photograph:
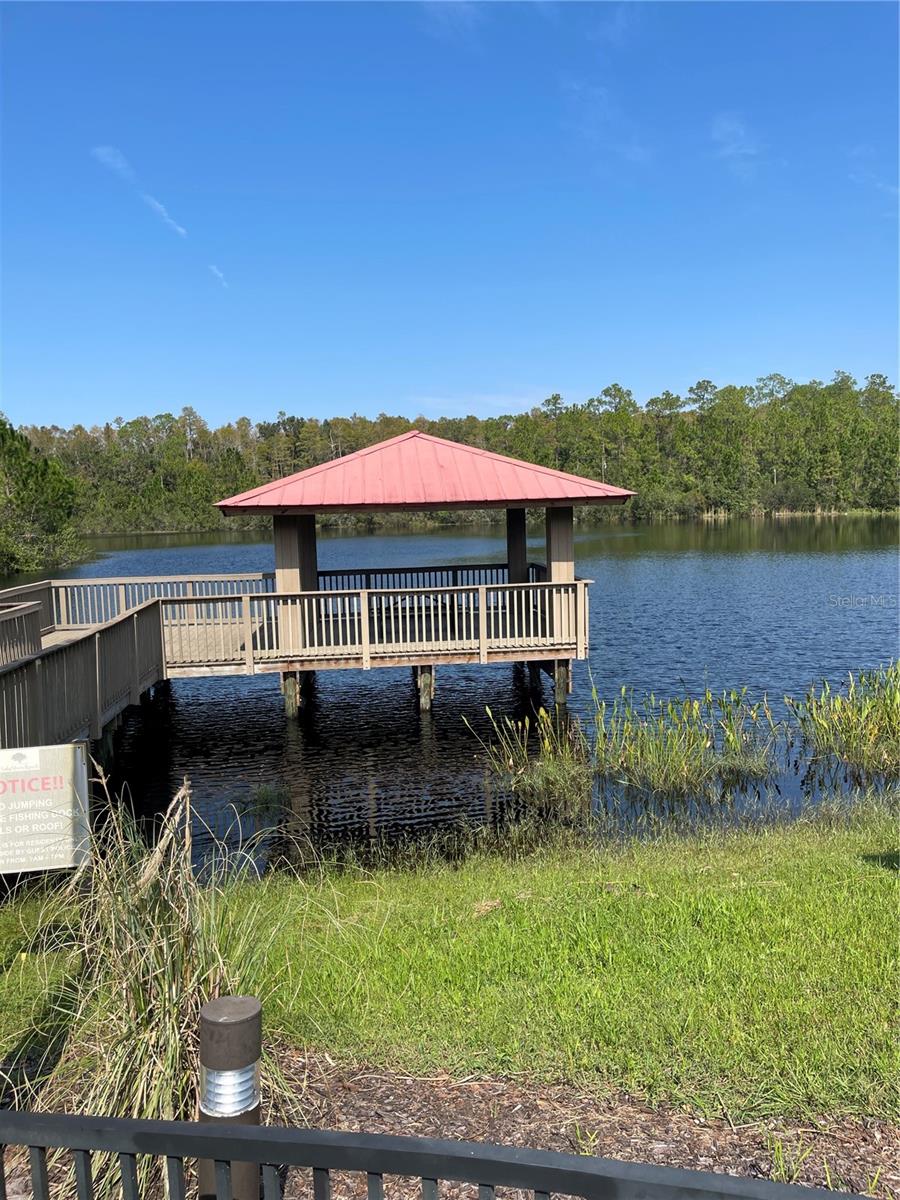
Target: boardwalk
75 653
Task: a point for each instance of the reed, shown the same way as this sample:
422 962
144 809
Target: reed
558 778
683 746
858 725
127 952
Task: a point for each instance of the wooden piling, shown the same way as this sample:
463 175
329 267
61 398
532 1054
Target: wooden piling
290 687
562 679
424 677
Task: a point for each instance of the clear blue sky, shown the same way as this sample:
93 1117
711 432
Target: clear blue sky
440 208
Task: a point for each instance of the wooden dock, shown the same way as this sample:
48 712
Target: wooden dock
74 653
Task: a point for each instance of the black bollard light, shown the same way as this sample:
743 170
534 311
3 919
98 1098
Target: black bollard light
230 1049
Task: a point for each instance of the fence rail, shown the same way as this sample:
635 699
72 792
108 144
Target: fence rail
81 603
85 602
40 593
371 1156
127 634
406 578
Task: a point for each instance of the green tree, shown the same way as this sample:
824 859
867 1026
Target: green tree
38 506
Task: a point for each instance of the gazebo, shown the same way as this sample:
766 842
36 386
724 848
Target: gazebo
423 616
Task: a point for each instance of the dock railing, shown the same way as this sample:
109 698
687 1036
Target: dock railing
80 603
20 632
40 593
122 636
375 627
73 690
374 1159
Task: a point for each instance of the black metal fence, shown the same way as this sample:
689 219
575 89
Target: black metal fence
371 1155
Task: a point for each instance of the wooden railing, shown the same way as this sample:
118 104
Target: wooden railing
381 626
73 690
405 578
82 603
40 593
20 632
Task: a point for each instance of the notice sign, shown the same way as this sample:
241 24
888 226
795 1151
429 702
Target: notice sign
43 808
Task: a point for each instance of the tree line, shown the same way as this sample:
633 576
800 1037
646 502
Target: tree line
736 450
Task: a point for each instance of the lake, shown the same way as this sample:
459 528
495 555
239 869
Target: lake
773 605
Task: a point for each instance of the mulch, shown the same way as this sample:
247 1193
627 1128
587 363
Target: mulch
846 1155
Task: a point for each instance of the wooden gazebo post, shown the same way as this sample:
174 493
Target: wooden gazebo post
516 545
560 529
296 570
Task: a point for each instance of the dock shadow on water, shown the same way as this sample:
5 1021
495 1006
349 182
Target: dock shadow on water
360 764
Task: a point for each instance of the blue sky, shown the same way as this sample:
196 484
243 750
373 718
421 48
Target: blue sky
440 208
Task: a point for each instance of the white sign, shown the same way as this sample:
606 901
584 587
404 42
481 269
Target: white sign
43 808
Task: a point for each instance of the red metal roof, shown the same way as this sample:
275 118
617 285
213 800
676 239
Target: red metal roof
418 471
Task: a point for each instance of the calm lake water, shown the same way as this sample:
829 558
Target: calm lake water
674 609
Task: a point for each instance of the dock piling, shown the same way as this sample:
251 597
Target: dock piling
425 685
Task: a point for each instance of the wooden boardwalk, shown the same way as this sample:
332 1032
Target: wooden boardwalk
75 653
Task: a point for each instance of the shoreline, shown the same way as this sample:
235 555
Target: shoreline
413 527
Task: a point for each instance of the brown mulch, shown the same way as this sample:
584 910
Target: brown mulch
846 1154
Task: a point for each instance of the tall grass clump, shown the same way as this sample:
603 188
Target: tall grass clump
691 748
683 746
859 727
132 946
546 762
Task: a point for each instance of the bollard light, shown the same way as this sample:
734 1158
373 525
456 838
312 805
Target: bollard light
229 1093
230 1050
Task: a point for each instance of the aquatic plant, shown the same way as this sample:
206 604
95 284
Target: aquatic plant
686 747
683 746
859 726
556 779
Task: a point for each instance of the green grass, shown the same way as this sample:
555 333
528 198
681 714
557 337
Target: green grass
752 972
21 974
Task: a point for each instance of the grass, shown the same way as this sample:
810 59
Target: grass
685 747
700 750
860 728
752 972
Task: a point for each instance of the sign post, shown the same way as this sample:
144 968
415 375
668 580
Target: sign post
44 813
